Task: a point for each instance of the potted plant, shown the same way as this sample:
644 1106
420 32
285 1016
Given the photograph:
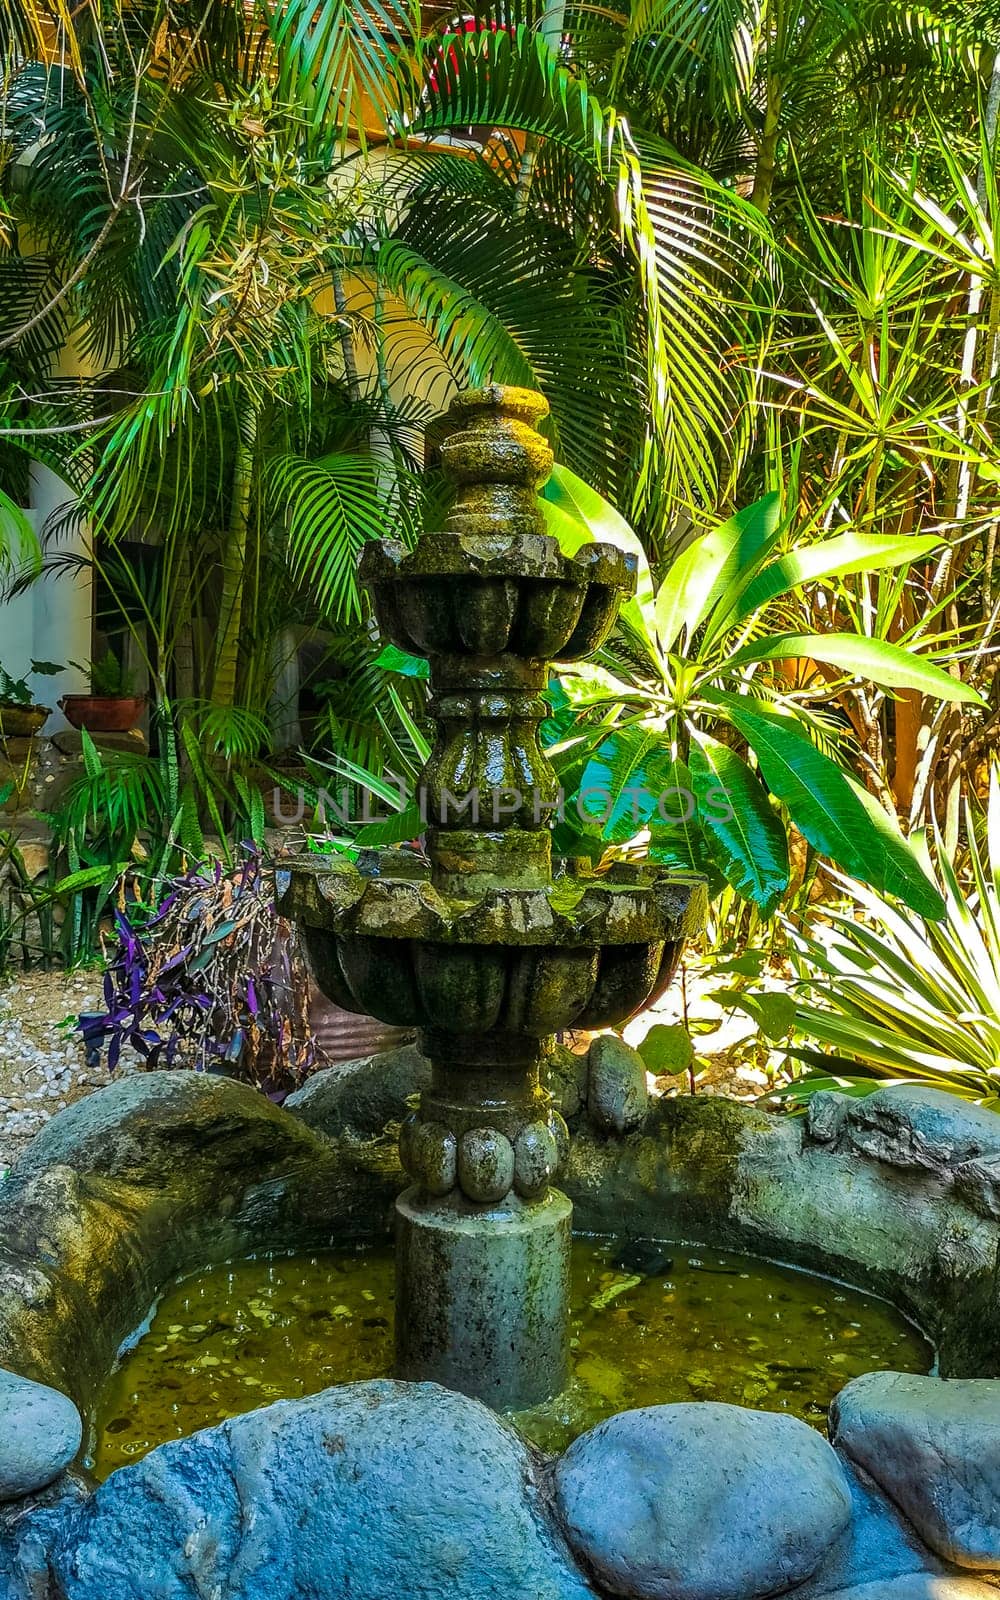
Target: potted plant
20 717
111 706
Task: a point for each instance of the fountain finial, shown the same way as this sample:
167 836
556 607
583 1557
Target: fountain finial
498 461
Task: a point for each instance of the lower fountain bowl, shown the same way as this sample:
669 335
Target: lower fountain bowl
479 988
574 953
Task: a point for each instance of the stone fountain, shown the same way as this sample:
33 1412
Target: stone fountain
487 945
489 948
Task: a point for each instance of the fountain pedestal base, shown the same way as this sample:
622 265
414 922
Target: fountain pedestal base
482 1296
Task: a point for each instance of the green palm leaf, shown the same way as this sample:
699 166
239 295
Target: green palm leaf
340 63
333 505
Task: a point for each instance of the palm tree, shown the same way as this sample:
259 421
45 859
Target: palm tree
198 195
237 204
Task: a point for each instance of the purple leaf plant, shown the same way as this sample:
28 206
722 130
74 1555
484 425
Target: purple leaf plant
213 981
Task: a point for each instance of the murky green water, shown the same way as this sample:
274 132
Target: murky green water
651 1323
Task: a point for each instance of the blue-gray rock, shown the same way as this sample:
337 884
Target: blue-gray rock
617 1096
40 1433
933 1445
877 1544
702 1501
907 1125
29 1531
378 1490
916 1587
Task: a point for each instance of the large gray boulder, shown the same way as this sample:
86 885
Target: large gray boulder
702 1501
161 1128
933 1445
377 1490
40 1433
361 1097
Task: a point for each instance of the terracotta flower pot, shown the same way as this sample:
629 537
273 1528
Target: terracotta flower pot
102 714
20 722
348 1035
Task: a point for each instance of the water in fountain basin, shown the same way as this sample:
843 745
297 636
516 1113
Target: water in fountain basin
649 1324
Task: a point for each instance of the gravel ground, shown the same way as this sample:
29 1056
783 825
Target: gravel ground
42 1065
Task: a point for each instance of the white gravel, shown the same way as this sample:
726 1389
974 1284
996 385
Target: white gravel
42 1064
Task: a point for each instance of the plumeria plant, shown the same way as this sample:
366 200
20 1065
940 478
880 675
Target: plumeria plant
711 694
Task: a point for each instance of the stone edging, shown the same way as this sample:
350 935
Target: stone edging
897 1193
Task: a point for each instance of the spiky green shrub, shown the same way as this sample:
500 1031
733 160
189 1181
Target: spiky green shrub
885 994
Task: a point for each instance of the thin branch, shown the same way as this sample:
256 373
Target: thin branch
70 283
65 427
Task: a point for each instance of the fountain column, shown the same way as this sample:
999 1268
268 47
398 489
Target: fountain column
483 1240
484 944
482 1271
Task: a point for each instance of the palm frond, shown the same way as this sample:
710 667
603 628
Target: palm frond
333 505
340 64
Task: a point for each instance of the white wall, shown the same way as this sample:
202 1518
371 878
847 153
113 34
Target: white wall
53 620
62 606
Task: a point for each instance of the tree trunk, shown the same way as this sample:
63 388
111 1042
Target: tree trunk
767 151
234 564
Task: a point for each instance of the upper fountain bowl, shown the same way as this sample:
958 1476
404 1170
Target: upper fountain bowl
495 582
579 952
491 594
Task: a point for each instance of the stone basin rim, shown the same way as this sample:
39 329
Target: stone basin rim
93 1225
341 899
535 557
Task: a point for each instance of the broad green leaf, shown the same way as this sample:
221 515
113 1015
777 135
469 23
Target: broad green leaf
826 808
748 965
707 567
622 783
579 503
882 663
743 831
773 1012
676 835
587 684
406 824
830 558
391 659
569 531
667 1050
902 868
576 502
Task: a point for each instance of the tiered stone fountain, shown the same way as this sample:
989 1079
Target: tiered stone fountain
487 945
